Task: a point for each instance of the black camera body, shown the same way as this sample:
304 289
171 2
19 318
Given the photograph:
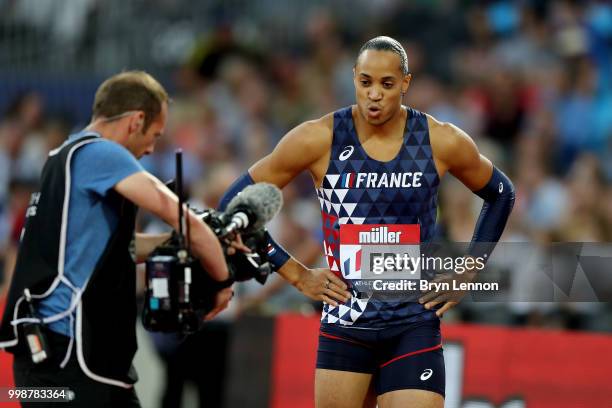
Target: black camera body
179 292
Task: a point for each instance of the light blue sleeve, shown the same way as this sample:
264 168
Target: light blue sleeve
99 166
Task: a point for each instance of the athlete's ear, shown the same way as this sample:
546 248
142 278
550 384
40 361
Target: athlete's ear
406 83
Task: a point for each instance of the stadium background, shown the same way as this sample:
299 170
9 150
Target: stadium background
530 81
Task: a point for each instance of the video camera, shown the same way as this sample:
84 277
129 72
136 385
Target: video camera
179 292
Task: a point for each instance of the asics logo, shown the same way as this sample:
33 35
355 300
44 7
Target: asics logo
426 374
346 153
501 187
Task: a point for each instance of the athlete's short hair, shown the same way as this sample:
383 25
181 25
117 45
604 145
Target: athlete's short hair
130 91
384 43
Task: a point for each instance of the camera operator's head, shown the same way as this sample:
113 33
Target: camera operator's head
131 108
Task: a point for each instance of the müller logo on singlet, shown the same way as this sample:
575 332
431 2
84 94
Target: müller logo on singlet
373 251
379 235
381 180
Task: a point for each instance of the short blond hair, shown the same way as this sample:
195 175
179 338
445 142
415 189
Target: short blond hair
130 91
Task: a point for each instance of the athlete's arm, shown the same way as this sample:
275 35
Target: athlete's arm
306 147
149 193
456 152
296 151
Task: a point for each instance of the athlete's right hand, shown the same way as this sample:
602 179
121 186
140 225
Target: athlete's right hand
321 284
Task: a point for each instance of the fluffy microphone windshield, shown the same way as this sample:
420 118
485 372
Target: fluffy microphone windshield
262 201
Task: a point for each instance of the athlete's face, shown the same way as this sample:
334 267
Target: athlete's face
142 143
379 85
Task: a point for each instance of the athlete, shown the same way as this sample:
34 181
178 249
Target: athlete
376 167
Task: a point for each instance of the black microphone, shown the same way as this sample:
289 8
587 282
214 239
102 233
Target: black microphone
252 208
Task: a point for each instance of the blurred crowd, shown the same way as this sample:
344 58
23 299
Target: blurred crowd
529 81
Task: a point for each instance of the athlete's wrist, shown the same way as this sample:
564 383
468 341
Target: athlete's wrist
293 272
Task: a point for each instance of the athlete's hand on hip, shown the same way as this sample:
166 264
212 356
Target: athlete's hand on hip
222 299
322 284
448 297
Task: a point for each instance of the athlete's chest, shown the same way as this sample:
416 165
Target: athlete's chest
354 168
396 168
382 149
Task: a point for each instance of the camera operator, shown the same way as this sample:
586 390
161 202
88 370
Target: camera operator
75 268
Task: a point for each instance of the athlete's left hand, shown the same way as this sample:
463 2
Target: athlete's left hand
449 297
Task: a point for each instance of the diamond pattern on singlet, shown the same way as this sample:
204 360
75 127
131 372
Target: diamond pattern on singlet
348 197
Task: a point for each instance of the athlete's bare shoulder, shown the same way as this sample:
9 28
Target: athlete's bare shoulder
305 147
454 151
315 135
450 145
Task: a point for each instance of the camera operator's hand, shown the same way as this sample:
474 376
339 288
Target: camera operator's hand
222 299
235 245
321 284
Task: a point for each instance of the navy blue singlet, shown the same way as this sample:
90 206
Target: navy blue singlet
359 190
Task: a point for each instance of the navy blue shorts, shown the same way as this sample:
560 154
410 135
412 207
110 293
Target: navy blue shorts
401 357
